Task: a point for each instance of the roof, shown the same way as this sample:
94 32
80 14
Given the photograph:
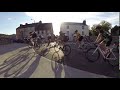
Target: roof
27 25
44 26
41 26
72 23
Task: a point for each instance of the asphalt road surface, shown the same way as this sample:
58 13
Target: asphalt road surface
19 61
77 60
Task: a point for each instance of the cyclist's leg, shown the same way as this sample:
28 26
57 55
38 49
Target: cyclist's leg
32 41
108 43
48 41
79 42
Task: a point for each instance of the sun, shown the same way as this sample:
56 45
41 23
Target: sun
56 27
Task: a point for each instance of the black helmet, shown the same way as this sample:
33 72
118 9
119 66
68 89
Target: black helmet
76 30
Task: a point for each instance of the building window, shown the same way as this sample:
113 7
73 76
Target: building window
42 32
67 27
82 32
82 27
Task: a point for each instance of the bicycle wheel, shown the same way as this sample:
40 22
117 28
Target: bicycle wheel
113 61
66 50
84 48
91 56
55 57
56 47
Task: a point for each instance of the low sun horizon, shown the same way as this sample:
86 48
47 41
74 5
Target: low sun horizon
14 19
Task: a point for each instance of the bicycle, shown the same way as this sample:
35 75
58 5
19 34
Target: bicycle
85 45
58 58
94 53
64 47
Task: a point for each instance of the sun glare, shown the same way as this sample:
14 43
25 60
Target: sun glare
56 27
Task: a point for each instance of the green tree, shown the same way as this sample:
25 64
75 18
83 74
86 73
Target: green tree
105 25
90 33
93 30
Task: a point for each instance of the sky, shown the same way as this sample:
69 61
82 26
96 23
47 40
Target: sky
9 21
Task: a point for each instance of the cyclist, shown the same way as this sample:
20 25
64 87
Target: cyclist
49 39
78 38
104 39
62 38
33 38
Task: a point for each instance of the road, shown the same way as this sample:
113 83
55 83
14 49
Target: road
77 60
19 61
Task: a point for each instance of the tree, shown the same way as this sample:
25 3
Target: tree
105 26
90 33
93 30
115 30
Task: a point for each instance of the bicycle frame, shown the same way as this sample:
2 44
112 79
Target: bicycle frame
105 57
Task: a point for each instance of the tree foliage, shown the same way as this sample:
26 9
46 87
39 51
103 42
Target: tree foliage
105 26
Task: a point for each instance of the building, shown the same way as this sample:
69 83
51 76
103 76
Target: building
41 28
69 28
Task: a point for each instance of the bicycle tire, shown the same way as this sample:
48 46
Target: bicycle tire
89 55
113 62
84 48
56 48
65 47
55 54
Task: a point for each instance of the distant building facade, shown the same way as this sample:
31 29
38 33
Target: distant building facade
40 28
69 28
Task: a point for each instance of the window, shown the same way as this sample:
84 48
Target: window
67 27
82 32
42 32
82 27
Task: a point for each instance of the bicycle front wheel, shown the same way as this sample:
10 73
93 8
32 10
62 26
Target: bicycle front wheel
66 50
92 55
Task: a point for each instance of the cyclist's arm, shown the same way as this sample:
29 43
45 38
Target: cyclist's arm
98 38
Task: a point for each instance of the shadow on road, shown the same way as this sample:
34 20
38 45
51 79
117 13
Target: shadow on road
15 64
78 61
31 68
58 65
10 47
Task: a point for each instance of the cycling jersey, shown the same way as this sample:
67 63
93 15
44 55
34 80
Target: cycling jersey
78 35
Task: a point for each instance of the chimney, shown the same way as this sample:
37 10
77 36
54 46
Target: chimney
20 25
84 22
40 21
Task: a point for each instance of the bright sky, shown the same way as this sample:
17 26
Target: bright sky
9 21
